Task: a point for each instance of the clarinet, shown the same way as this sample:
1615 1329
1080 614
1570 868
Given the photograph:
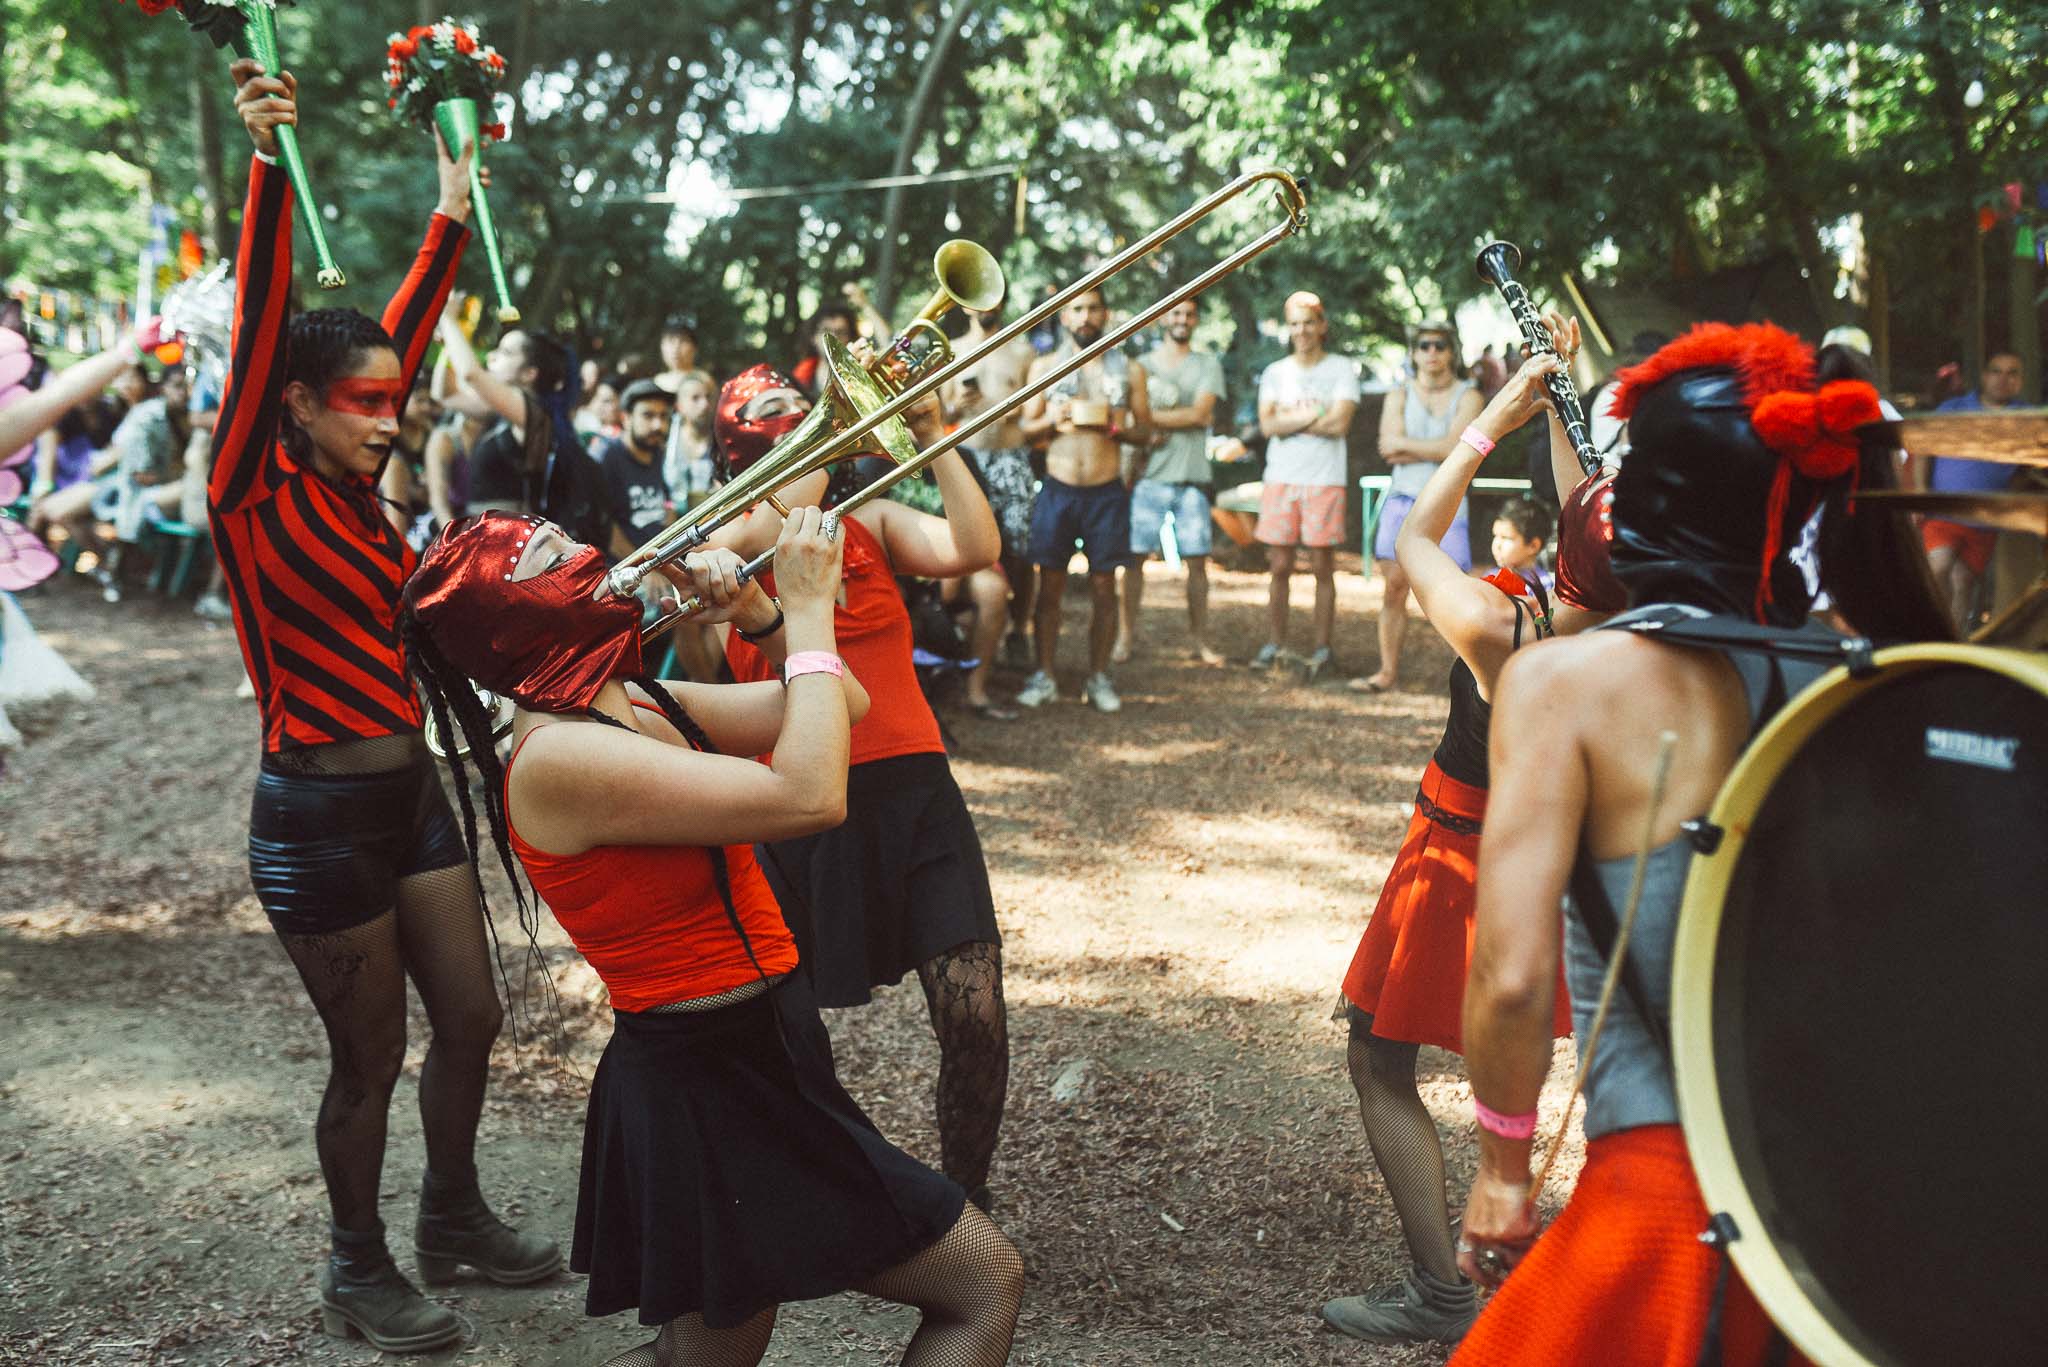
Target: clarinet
1497 261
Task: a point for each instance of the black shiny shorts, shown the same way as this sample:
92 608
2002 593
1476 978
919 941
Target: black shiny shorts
326 850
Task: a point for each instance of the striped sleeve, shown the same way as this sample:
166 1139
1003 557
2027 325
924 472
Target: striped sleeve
245 436
413 311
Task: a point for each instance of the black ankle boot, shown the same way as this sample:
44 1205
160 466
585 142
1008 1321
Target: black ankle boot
456 1229
361 1292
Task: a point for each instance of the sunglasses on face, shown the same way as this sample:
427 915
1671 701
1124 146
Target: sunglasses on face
1432 344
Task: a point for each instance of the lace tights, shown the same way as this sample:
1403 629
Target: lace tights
1404 1143
356 979
968 1285
963 988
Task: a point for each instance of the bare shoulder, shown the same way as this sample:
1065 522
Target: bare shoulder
1598 671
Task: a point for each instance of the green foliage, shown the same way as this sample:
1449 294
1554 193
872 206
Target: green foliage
1655 151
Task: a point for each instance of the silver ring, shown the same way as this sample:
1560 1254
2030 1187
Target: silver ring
830 526
1490 1258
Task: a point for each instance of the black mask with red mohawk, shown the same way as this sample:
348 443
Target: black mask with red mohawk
1731 451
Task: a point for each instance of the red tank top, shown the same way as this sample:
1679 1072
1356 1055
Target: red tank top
873 630
649 918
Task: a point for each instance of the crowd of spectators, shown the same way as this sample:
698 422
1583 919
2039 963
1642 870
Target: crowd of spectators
1121 461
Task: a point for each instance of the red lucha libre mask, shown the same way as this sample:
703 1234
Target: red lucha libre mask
1585 529
742 441
549 641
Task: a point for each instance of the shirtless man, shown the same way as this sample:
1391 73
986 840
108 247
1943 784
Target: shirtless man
1084 498
1003 459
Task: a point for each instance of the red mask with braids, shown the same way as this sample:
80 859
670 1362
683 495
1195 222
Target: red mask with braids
551 641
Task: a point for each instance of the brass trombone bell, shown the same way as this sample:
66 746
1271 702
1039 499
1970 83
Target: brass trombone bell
847 396
1288 198
501 711
968 278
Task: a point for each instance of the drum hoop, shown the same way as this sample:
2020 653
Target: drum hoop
1781 1292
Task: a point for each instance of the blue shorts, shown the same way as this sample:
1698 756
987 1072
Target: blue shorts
1098 517
1152 500
1457 542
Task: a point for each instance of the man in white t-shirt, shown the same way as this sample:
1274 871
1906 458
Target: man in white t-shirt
1306 400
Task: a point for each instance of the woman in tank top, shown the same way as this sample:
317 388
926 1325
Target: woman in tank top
725 1171
901 886
1419 424
1406 983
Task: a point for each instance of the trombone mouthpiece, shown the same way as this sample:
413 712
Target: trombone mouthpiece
624 580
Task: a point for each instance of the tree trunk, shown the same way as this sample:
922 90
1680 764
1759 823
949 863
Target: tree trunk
1780 179
2023 320
212 181
1954 116
522 47
906 147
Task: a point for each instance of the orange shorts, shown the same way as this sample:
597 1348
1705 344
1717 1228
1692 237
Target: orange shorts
1301 515
1972 545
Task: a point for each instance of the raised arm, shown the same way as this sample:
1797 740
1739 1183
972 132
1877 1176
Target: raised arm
1564 461
26 419
410 315
477 392
245 437
964 540
1471 614
570 791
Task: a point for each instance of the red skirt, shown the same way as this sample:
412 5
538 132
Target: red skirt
1621 1279
1409 971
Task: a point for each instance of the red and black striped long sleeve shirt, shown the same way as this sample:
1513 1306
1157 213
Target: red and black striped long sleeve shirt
313 568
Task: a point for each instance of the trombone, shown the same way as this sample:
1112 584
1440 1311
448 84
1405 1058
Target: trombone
1288 196
850 396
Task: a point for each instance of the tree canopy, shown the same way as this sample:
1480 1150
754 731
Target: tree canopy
1820 161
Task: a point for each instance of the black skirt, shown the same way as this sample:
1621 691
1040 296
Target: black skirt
900 880
725 1170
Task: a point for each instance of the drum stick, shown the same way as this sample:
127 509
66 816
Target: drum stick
1667 742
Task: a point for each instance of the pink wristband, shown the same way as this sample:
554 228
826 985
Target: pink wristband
813 662
1477 440
1506 1126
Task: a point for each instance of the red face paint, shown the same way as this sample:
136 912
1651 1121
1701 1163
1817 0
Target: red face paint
366 398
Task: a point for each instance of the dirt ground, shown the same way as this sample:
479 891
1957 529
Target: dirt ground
1180 887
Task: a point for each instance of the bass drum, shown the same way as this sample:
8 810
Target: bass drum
1860 1012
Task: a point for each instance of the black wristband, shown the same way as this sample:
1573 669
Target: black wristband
756 637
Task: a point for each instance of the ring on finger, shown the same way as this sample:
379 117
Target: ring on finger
829 526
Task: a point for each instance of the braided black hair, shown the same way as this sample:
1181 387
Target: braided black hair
321 346
444 684
447 690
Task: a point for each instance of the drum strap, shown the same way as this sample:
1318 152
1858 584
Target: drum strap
1760 655
1721 1232
1603 928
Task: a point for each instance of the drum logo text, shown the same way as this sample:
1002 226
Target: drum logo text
1967 747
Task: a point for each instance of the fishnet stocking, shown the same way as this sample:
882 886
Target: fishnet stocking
358 986
685 1342
1404 1144
968 1285
356 979
447 952
963 988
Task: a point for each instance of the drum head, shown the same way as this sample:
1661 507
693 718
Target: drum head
1861 1012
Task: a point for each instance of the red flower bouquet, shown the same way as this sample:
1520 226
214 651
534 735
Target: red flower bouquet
250 28
441 77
